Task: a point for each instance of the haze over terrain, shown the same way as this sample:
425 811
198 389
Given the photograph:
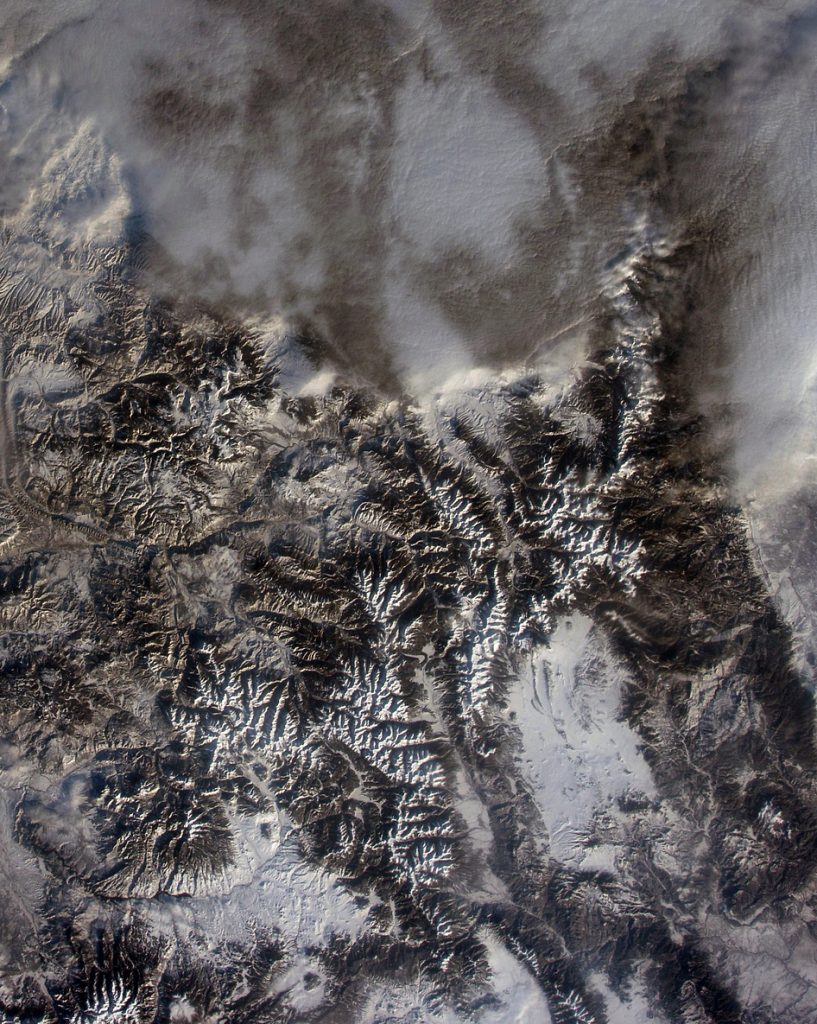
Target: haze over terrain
424 185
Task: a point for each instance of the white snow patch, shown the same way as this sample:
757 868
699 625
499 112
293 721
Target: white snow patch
302 986
517 997
636 1010
182 1011
575 753
278 892
522 1000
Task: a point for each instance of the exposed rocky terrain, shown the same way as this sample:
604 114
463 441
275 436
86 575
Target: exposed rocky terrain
323 703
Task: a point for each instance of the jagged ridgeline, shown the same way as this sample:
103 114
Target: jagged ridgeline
320 705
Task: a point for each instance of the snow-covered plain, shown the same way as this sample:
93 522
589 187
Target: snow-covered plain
577 754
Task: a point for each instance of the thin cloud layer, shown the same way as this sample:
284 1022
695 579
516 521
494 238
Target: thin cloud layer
426 190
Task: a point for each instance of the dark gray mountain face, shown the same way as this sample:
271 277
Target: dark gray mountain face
321 703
